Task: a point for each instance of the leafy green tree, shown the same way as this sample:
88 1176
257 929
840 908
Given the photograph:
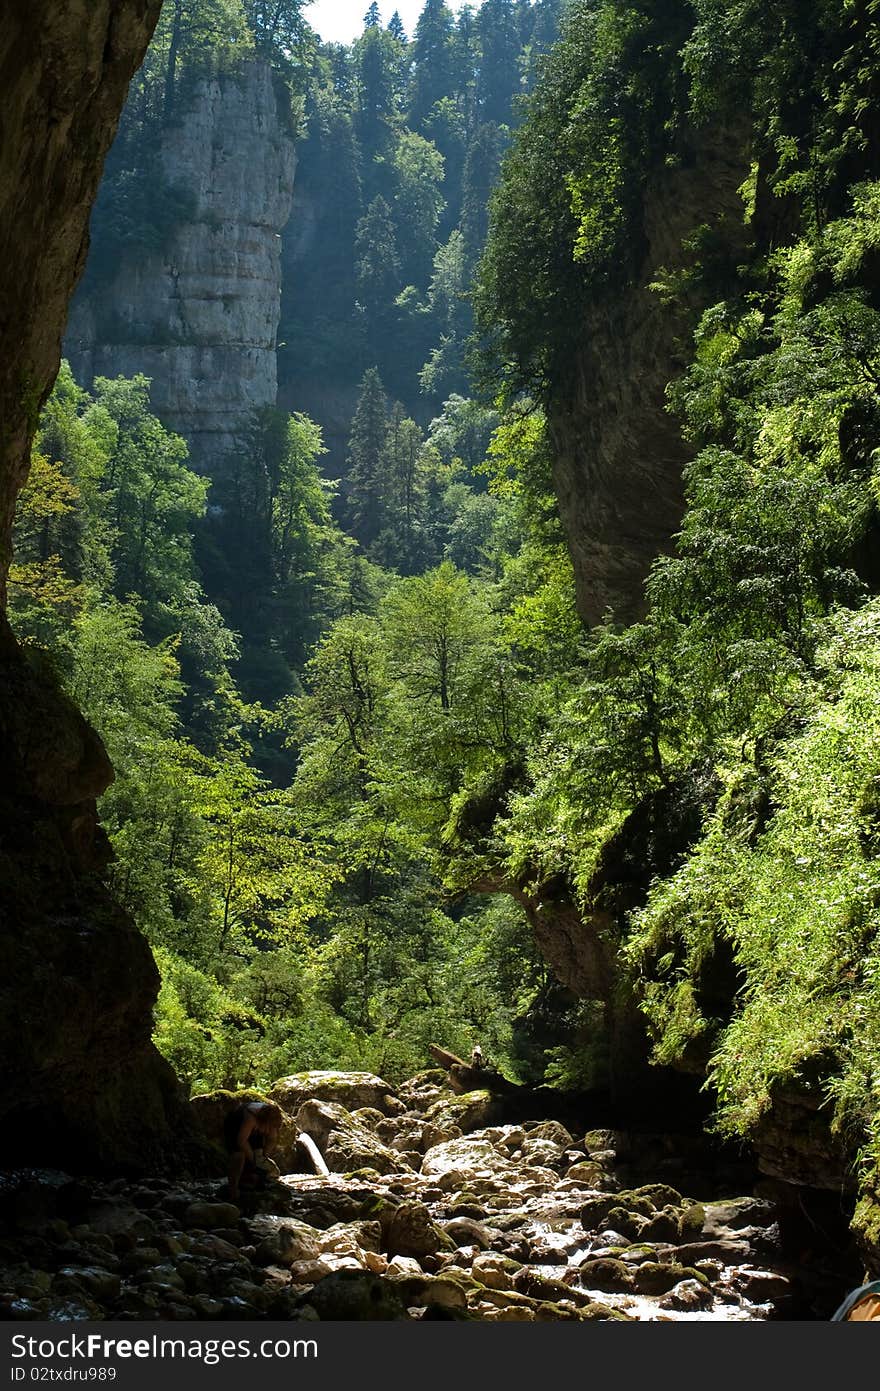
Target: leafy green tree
418 202
192 32
281 34
257 881
153 500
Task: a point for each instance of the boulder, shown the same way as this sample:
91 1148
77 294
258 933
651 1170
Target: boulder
761 1286
541 1152
587 1174
473 1110
663 1226
353 1295
722 1218
412 1232
552 1131
210 1215
689 1296
655 1277
660 1195
210 1109
606 1275
283 1242
496 1272
463 1157
465 1231
353 1090
345 1145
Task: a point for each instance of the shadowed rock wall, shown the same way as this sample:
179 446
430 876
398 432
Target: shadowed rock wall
618 453
81 1080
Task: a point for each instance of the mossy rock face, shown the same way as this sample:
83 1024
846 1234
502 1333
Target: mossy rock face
594 1212
606 1274
866 1228
353 1090
629 1224
634 1201
691 1222
473 1110
659 1195
662 1227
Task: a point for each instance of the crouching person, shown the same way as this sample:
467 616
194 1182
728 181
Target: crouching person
251 1132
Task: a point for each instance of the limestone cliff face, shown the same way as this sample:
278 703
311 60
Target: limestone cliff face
81 1082
201 317
618 453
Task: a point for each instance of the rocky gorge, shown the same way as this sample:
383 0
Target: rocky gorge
437 1206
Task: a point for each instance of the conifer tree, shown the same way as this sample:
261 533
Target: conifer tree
377 266
396 29
432 60
499 76
367 466
405 471
481 167
377 74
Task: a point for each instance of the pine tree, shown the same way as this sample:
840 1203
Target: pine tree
377 72
367 481
396 29
405 472
372 18
377 266
432 60
499 78
481 167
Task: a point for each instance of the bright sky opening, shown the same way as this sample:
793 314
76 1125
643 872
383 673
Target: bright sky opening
342 21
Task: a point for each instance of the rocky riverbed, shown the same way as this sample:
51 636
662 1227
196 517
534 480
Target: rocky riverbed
437 1206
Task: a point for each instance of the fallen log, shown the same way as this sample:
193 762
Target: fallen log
472 1076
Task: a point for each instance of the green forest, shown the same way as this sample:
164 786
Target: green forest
358 726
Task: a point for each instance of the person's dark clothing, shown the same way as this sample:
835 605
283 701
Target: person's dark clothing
232 1125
